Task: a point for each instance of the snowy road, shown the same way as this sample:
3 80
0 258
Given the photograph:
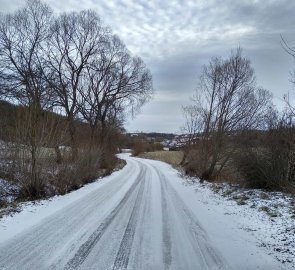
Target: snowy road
142 217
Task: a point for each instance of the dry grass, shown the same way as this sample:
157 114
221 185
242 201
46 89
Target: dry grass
172 157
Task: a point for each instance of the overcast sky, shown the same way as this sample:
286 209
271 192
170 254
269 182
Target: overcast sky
176 38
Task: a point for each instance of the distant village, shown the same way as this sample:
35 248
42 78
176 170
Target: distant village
169 141
175 142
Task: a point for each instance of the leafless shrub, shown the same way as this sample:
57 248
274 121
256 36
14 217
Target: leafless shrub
226 102
267 157
270 163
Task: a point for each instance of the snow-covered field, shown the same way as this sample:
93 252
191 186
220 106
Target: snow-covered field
146 216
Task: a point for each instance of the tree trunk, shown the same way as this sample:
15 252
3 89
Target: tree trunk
35 188
208 173
72 132
185 154
58 154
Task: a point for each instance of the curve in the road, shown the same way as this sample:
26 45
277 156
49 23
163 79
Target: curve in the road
136 220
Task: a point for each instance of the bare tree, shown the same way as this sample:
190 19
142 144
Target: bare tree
22 38
75 38
291 51
192 128
114 84
228 101
74 66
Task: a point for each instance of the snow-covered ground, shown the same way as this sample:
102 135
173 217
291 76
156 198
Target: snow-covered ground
268 216
263 222
148 217
30 213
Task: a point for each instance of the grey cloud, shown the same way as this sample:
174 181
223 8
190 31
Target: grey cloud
176 38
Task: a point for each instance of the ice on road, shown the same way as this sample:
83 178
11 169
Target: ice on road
142 217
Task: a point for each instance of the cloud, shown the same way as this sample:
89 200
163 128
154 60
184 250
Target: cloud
176 38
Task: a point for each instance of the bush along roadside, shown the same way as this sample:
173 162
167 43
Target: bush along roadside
11 194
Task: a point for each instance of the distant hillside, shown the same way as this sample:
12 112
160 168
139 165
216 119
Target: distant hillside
10 112
161 135
6 109
155 135
7 116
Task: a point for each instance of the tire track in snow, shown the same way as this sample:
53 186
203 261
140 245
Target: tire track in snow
140 259
167 257
88 245
122 258
39 245
210 258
